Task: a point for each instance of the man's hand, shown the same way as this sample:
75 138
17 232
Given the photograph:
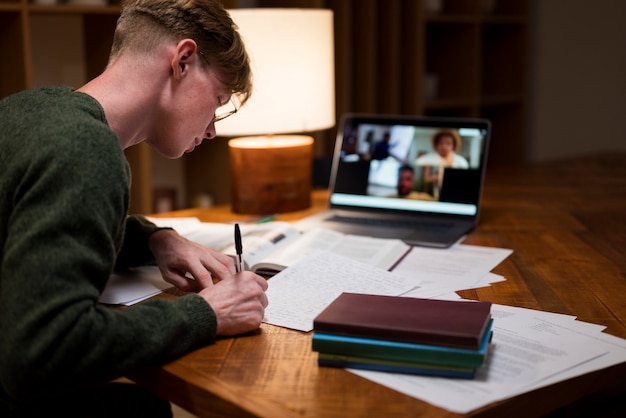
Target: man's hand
188 266
238 301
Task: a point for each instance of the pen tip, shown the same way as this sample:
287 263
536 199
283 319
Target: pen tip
238 243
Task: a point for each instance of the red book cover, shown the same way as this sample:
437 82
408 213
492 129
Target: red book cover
415 320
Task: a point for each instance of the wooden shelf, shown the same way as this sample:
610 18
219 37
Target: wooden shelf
17 55
465 58
9 7
73 9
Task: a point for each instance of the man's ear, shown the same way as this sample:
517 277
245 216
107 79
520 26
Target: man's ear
186 51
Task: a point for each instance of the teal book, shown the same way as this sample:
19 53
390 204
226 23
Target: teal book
389 366
401 351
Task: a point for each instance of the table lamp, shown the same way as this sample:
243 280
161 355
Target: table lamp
292 59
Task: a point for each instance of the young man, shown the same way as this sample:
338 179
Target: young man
64 196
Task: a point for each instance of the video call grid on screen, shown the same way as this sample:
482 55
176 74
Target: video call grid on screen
368 175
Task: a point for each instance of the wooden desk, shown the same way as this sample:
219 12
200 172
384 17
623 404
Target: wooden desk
565 221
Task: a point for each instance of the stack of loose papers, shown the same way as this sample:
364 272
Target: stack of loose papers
456 268
529 349
302 291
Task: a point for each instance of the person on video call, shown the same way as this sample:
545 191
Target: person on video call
64 229
406 181
381 148
445 143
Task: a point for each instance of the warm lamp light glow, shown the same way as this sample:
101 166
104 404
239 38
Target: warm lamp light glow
292 59
269 141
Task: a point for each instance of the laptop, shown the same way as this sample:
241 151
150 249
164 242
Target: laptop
394 177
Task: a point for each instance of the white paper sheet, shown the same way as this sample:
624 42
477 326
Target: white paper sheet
182 225
133 287
298 294
458 267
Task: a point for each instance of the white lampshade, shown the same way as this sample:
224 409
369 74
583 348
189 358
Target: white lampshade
292 59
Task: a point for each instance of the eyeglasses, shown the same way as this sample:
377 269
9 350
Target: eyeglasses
229 108
226 110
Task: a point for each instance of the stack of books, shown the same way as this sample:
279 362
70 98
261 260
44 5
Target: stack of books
403 335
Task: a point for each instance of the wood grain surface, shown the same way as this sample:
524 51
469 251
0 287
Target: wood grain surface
566 223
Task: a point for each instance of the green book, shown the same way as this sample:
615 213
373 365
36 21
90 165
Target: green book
401 351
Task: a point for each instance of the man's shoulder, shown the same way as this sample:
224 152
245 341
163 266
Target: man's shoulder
56 125
36 96
57 116
49 102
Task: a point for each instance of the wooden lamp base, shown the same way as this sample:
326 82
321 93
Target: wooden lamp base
271 174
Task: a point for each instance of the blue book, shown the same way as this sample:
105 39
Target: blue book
404 367
401 351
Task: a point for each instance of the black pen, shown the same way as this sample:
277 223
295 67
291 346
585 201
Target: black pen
238 248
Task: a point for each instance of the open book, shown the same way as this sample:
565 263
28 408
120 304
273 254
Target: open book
273 246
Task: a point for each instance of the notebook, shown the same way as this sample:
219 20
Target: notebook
419 179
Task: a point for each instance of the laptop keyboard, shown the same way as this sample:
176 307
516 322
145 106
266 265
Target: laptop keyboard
393 223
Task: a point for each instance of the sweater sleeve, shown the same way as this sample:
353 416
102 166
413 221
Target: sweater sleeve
63 222
135 251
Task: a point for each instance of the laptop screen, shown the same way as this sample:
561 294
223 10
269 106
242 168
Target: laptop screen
410 164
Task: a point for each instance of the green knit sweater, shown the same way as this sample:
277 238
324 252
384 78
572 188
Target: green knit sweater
64 191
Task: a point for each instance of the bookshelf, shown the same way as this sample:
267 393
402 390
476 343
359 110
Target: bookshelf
463 58
21 52
426 57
